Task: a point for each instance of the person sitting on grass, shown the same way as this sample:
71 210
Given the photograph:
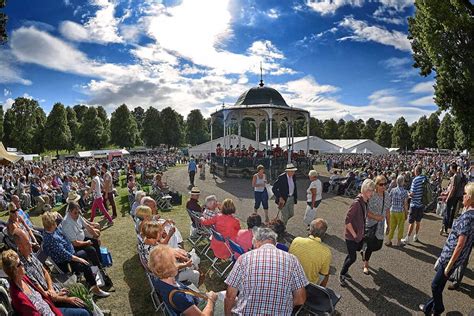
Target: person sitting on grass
225 224
163 265
62 252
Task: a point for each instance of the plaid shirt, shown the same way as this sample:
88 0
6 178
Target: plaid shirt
266 279
398 196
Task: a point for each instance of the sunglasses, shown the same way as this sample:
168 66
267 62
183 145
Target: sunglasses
19 264
382 184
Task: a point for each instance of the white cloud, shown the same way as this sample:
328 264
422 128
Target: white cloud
424 87
8 104
101 28
9 71
362 32
330 6
273 13
424 101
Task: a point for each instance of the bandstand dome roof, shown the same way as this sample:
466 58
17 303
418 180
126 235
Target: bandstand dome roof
261 95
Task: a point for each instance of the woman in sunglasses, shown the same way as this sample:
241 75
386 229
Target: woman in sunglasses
377 213
16 222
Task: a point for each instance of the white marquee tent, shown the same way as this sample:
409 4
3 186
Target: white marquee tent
210 147
315 143
358 146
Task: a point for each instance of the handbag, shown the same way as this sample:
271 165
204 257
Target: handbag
106 257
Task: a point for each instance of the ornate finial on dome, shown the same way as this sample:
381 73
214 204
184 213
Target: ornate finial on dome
261 75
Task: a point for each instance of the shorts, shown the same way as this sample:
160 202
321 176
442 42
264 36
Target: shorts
416 214
261 198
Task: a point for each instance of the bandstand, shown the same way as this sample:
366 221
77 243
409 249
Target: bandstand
260 105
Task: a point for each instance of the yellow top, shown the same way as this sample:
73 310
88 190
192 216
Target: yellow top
314 256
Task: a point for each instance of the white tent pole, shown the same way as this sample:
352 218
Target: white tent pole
308 120
225 147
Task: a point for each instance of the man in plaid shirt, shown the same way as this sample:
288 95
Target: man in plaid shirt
268 281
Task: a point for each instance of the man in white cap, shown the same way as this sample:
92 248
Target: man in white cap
285 192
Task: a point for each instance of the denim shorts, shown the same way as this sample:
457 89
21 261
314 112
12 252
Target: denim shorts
415 214
261 198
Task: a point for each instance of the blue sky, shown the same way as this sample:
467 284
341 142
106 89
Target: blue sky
336 58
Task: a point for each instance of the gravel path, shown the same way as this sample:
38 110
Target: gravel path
400 278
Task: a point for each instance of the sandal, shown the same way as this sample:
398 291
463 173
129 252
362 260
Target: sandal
366 271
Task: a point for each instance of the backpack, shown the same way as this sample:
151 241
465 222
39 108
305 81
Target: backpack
427 193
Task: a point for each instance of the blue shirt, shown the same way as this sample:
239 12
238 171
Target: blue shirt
26 218
417 190
464 225
57 246
192 166
398 196
181 300
34 190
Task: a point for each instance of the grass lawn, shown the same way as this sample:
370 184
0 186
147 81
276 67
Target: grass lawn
132 295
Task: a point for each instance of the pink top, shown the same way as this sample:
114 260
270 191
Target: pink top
244 239
228 226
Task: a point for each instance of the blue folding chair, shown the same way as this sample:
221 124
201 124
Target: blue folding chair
236 248
226 264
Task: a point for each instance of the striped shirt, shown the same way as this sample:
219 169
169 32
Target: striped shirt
417 191
266 279
398 196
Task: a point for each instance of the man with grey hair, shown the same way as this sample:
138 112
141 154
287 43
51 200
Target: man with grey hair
313 254
398 210
211 207
268 281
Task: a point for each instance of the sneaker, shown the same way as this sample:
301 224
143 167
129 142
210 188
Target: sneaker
453 287
406 240
348 276
442 230
342 280
388 243
100 293
415 238
366 271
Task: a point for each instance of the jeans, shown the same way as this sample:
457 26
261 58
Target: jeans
352 248
191 177
261 198
77 267
435 304
109 197
99 203
448 217
74 311
92 253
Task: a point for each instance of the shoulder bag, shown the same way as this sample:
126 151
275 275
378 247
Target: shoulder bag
371 230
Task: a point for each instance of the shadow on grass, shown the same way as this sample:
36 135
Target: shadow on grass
134 276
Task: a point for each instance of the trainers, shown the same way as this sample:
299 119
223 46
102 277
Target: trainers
406 240
342 280
100 293
415 238
348 276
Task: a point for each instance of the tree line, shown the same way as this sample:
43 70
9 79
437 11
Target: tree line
27 127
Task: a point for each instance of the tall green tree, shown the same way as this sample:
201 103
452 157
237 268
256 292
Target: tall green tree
91 132
80 110
123 127
8 125
1 122
421 134
172 127
401 137
152 124
368 132
445 133
383 135
102 114
441 34
351 130
196 129
461 140
433 126
73 127
139 115
316 127
331 130
340 127
3 23
57 135
28 120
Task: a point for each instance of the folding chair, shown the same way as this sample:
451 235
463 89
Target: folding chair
319 300
201 232
236 248
163 202
221 271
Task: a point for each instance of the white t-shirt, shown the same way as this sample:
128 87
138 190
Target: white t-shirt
97 191
316 184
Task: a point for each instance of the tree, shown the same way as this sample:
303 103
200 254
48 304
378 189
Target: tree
340 127
8 125
123 127
331 130
80 110
351 130
57 135
360 125
196 129
139 114
421 134
103 117
172 127
461 140
401 134
73 127
151 132
445 133
441 34
433 127
383 135
27 120
3 23
91 132
1 122
368 132
316 127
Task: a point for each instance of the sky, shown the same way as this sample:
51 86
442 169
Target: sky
337 59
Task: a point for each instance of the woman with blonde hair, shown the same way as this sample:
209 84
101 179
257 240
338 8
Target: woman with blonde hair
226 224
180 299
378 211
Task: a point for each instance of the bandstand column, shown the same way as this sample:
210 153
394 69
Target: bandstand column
271 123
225 131
308 120
279 133
288 140
240 134
257 133
266 136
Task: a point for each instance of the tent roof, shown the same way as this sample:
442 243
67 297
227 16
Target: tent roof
5 155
